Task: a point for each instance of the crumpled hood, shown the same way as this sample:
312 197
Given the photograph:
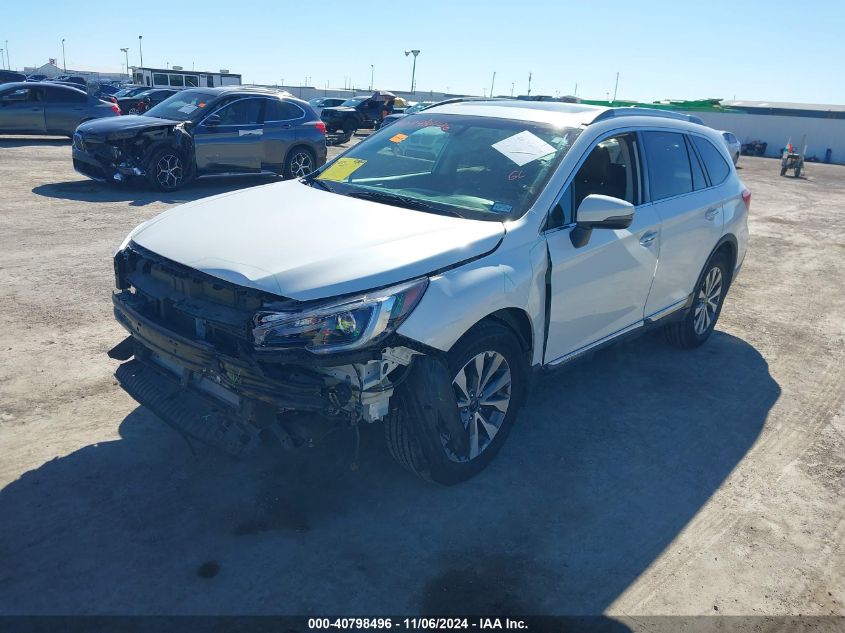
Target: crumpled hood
301 242
121 125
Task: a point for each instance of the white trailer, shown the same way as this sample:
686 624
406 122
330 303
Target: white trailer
179 79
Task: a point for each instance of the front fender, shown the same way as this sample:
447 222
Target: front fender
459 298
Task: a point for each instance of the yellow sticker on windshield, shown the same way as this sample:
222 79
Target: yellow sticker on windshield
398 138
341 169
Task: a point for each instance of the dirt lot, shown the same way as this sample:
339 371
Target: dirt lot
644 481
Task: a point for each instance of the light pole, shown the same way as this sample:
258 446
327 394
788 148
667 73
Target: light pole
126 52
2 59
8 63
530 75
64 61
492 83
512 85
413 70
141 50
372 74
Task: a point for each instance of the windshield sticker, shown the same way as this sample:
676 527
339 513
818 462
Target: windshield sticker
501 207
431 123
341 169
524 147
187 109
398 138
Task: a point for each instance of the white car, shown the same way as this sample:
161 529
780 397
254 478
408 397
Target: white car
421 289
733 145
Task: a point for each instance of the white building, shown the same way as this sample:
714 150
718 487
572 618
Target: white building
776 123
51 71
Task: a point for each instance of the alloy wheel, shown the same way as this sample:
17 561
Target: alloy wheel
707 302
483 392
169 171
301 165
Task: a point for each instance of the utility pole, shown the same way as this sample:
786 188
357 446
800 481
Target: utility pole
141 50
64 61
2 59
492 83
126 52
414 69
575 94
512 85
8 63
615 87
372 74
529 83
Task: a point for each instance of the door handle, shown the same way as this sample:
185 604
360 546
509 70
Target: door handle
711 214
648 238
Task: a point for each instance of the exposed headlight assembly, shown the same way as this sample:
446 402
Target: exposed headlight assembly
340 326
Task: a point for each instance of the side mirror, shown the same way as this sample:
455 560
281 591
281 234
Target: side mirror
600 212
211 120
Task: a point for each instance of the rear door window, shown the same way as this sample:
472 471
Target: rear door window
668 164
716 165
278 110
57 95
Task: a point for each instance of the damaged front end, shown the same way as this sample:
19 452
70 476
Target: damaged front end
235 367
118 155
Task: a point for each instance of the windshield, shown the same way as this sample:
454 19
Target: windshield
475 167
352 102
181 106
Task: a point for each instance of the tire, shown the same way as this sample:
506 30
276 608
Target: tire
697 325
428 405
350 126
783 171
300 162
798 171
171 161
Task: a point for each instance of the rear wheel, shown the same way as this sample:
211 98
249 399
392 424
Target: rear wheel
166 170
709 294
487 374
299 163
350 126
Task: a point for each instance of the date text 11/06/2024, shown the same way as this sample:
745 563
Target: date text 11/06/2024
416 623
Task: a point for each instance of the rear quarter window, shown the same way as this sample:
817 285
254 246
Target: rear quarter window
716 166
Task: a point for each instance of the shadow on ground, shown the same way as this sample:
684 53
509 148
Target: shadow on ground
35 141
609 460
137 195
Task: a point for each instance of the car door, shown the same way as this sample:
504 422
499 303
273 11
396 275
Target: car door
64 109
230 138
599 290
22 110
690 212
281 130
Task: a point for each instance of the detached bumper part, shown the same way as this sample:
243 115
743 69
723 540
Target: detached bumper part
186 410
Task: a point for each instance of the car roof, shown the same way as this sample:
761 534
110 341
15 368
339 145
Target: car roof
35 84
554 112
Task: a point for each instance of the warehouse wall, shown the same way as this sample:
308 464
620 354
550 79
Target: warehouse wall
777 130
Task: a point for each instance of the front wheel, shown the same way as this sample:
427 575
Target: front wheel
452 418
708 296
166 170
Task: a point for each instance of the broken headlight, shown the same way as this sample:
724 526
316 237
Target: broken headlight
344 325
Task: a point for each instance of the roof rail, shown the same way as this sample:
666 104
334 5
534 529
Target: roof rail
612 113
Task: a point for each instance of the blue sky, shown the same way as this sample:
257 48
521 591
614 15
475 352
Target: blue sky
684 50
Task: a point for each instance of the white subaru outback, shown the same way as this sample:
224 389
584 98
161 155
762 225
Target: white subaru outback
419 278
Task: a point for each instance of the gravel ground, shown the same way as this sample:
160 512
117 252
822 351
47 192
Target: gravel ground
644 481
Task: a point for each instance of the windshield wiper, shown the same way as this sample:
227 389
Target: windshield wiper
407 202
310 180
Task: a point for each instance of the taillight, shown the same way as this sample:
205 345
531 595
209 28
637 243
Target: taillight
321 127
746 198
115 108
